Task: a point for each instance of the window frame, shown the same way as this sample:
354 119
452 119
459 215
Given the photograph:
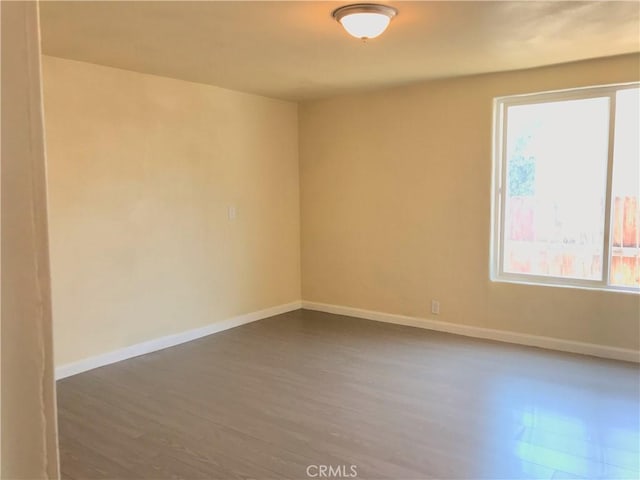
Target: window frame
500 117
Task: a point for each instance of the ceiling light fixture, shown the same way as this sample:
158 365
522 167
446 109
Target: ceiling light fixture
364 20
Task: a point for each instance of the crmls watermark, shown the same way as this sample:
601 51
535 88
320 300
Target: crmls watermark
332 471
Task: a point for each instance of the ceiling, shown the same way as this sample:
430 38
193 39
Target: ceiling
295 50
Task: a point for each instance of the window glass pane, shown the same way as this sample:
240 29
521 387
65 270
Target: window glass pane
625 219
554 196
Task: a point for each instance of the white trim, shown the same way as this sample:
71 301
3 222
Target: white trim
572 346
501 107
170 340
131 351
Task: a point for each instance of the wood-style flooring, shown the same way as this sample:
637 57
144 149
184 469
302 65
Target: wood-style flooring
282 397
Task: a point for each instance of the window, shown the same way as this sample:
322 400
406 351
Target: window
566 205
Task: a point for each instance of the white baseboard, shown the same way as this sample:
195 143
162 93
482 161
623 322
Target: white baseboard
170 340
603 351
593 349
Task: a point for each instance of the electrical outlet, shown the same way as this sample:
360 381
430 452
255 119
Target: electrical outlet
435 307
233 212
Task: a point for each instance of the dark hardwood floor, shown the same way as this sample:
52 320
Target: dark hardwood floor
282 397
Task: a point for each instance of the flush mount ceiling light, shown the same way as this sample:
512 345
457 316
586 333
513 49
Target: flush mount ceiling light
364 20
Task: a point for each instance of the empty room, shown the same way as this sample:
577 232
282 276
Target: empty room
320 240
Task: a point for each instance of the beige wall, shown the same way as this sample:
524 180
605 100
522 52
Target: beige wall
28 418
395 199
142 170
396 203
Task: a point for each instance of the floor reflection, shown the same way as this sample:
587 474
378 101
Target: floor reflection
569 430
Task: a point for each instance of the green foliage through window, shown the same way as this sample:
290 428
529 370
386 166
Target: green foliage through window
522 170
